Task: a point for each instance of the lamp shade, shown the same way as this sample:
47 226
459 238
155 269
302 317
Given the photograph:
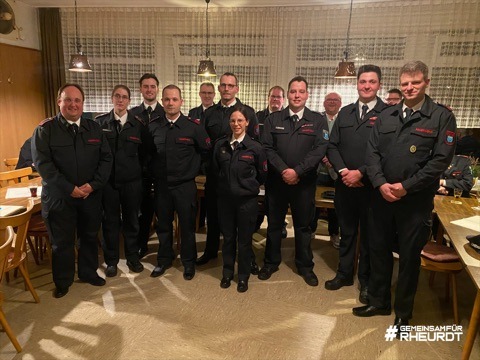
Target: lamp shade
345 70
79 63
206 68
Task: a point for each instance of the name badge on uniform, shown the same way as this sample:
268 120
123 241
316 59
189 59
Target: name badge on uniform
279 128
413 149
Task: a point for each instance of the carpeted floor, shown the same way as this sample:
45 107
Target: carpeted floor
138 317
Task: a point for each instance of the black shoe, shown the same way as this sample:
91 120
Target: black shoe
160 270
310 278
95 281
226 282
242 286
111 271
337 283
142 253
266 271
368 310
205 258
135 266
60 292
254 270
363 297
188 273
401 330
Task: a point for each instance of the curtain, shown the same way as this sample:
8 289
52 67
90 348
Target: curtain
268 46
52 57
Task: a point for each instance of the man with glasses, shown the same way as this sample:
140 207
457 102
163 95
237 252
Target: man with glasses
217 124
394 96
149 110
207 94
122 194
276 98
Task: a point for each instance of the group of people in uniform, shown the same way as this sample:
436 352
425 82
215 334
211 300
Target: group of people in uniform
120 169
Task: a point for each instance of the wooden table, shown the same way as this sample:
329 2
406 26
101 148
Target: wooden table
447 212
22 201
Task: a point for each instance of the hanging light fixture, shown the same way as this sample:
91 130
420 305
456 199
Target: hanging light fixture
346 69
78 61
206 67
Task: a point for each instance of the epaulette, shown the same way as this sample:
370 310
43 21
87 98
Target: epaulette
100 115
43 122
195 121
445 106
139 119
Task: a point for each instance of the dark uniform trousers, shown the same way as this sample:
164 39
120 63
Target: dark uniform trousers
182 200
410 217
301 198
63 216
352 205
127 197
237 218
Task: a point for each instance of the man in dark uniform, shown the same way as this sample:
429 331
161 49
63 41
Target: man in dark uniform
207 95
457 176
122 194
180 143
217 124
148 110
74 160
25 155
276 99
295 140
394 96
410 146
346 152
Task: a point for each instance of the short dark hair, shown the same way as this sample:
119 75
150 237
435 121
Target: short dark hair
369 68
230 74
172 87
243 110
59 93
148 76
395 91
120 86
298 79
276 87
207 83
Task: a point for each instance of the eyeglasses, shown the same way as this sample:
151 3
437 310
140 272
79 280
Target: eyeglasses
333 100
121 97
230 86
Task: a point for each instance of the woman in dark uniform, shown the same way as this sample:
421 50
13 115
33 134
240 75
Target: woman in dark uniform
241 166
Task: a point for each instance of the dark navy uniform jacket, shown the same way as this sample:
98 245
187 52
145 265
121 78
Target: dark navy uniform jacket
197 113
349 136
459 175
301 148
217 121
128 147
415 153
261 116
142 114
239 172
65 161
178 149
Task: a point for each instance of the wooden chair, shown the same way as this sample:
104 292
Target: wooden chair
441 258
10 163
5 248
37 238
18 256
14 176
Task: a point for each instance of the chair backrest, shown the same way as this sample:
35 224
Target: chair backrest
10 163
6 240
20 223
14 176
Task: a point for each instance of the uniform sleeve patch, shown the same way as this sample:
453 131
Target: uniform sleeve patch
196 121
208 142
257 130
449 137
265 166
325 135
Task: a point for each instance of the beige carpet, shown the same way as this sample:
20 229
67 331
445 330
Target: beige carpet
138 317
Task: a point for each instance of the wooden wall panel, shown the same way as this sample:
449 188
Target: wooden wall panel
21 97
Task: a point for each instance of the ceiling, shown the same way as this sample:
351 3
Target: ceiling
187 3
